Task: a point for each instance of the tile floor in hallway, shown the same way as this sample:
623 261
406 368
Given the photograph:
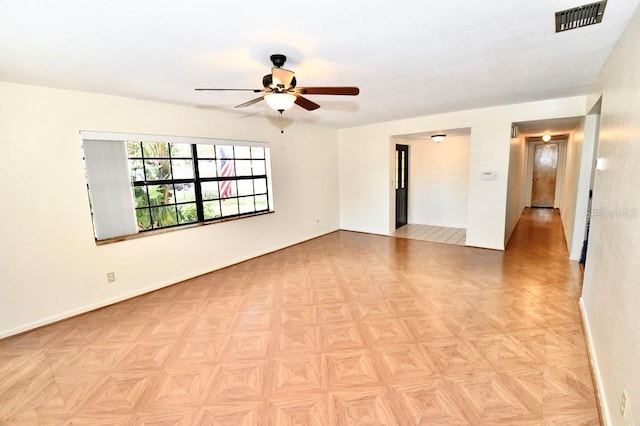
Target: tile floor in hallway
345 329
436 234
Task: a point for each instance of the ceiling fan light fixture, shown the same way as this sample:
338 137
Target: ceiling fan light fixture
280 101
438 138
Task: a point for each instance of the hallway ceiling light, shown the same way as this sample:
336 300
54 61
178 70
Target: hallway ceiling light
546 137
438 138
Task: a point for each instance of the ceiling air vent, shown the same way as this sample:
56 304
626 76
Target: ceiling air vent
580 16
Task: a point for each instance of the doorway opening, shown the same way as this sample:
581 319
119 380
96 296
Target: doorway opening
431 189
402 184
592 134
545 173
576 139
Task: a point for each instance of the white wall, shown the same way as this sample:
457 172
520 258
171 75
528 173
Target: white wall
574 147
585 179
515 185
366 166
611 292
439 181
51 267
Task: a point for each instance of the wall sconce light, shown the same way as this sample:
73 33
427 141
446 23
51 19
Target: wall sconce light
546 137
438 138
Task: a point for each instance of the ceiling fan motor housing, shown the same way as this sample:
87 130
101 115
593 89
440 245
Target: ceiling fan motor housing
267 83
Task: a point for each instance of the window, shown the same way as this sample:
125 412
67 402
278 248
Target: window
172 181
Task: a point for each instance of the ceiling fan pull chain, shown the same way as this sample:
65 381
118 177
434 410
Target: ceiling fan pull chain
281 129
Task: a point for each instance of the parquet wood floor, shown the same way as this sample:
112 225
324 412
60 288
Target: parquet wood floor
436 234
346 329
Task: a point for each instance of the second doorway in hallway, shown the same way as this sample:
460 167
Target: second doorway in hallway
545 170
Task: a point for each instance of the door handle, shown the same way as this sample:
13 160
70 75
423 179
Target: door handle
535 179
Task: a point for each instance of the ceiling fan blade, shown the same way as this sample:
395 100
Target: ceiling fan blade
347 91
282 77
235 90
306 103
251 102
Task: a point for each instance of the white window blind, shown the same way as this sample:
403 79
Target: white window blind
109 188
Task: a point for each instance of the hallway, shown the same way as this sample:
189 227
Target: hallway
348 328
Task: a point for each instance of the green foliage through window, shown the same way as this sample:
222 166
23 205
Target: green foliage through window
178 183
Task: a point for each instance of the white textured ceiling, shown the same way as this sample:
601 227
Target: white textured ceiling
409 58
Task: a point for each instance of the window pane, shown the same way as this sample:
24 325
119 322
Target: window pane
228 188
211 209
140 195
257 152
163 216
224 151
245 187
134 149
247 204
185 192
207 168
402 164
144 219
136 170
229 207
206 151
182 169
155 149
160 194
260 186
242 151
259 167
181 150
187 213
209 190
262 203
158 169
226 168
243 167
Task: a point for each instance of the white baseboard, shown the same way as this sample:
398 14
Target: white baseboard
606 418
138 292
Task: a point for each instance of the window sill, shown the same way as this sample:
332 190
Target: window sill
177 228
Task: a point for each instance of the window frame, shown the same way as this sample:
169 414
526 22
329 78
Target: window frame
197 180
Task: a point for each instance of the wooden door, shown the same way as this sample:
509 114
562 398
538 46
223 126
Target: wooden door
545 168
402 184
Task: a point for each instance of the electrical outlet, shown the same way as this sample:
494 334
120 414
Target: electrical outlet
623 403
111 277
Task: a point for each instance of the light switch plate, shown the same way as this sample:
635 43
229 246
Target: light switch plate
488 176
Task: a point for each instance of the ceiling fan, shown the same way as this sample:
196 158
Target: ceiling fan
280 90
